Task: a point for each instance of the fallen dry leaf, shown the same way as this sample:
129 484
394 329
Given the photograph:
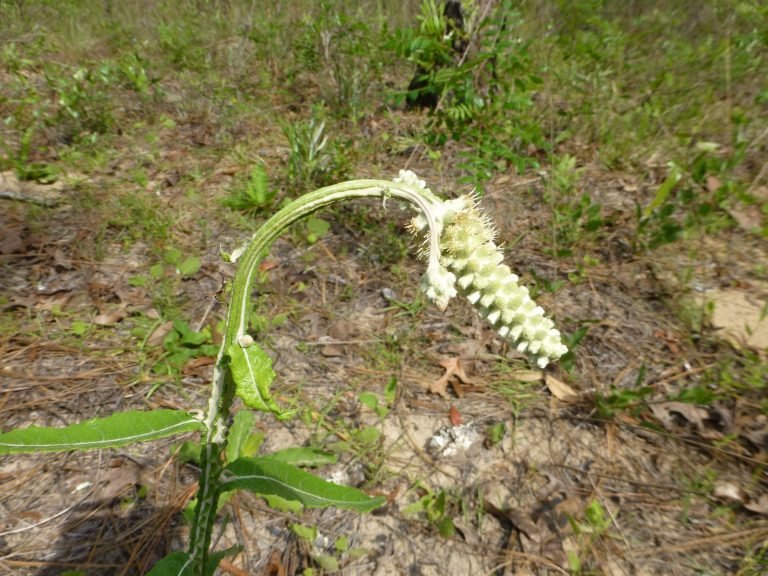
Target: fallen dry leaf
267 265
159 334
342 329
560 389
230 568
122 475
729 491
664 413
669 339
11 236
53 301
713 183
741 317
696 415
749 218
452 367
195 364
275 565
332 349
340 332
110 318
455 416
758 507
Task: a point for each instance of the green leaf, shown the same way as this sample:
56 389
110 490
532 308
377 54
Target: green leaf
302 456
180 564
175 564
304 532
390 392
157 271
318 226
189 267
664 190
173 255
282 505
252 373
215 558
269 476
109 432
696 395
327 562
79 328
368 435
357 552
188 336
341 544
188 452
446 528
413 508
369 399
238 434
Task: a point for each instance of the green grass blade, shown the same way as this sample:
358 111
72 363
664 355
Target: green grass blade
267 476
109 432
664 190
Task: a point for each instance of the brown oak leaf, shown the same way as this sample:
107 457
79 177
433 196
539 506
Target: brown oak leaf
452 367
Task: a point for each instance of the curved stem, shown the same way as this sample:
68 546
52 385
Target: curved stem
223 389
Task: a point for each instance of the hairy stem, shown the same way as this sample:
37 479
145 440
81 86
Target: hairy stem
223 388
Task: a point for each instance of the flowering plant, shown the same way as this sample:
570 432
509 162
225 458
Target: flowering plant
462 258
465 259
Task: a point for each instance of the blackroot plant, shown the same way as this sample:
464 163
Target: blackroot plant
462 258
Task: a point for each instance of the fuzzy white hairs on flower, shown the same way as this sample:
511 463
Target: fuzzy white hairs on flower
470 263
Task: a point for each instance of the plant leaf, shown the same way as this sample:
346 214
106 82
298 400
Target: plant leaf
189 266
664 190
238 434
267 476
252 373
175 564
303 456
109 432
180 563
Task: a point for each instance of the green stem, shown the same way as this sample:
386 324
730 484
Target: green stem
223 388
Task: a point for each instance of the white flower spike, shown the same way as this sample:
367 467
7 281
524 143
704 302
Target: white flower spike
470 263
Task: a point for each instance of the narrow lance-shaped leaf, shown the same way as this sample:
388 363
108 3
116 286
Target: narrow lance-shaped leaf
252 373
268 476
109 432
664 190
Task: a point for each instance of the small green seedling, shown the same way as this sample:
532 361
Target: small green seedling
254 195
434 507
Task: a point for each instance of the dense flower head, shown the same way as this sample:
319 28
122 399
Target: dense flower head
470 263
